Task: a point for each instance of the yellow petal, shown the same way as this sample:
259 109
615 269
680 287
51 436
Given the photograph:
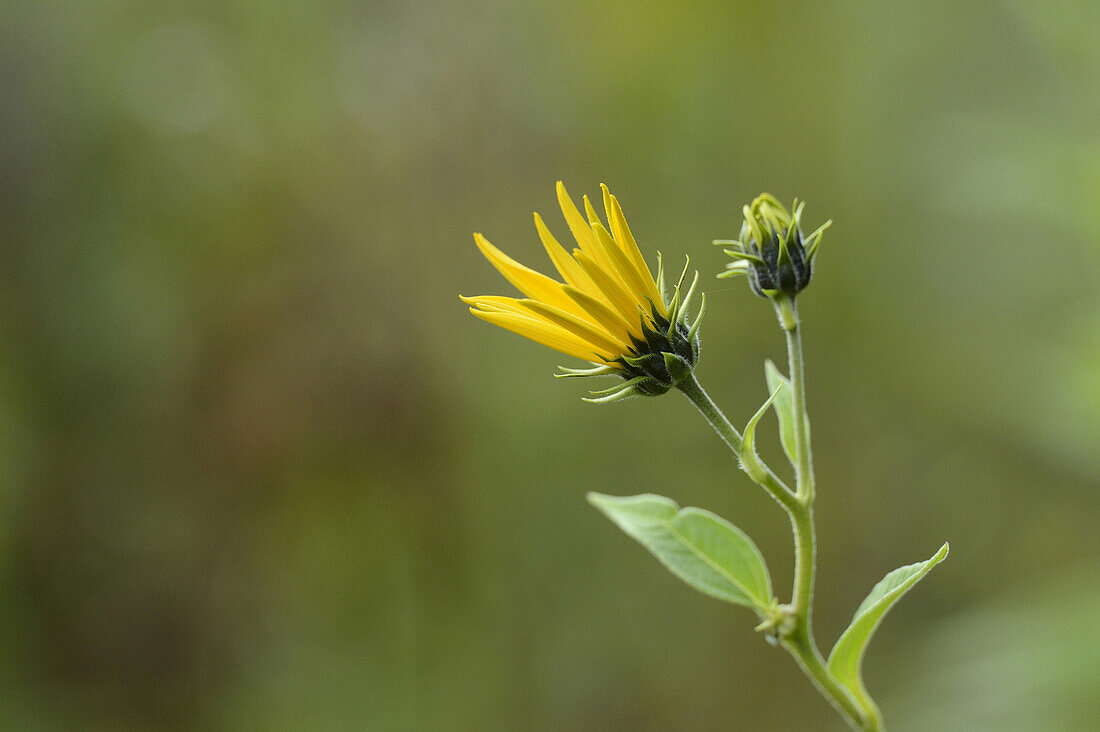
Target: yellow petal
623 266
619 298
599 338
544 333
596 336
582 230
590 210
569 270
495 303
601 313
531 283
626 240
573 217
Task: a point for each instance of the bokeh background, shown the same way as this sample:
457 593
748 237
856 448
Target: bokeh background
259 469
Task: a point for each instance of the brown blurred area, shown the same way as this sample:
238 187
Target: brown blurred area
260 470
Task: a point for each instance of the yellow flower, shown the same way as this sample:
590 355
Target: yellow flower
608 308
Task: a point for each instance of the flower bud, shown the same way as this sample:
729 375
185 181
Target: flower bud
772 250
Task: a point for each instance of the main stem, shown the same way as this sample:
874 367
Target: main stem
800 642
799 638
802 517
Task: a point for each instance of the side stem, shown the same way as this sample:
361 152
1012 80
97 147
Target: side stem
694 391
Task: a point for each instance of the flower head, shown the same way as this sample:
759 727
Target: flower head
608 309
772 251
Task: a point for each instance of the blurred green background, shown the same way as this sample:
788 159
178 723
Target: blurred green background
259 469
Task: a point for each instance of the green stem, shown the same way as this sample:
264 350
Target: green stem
694 391
801 640
798 639
804 470
802 517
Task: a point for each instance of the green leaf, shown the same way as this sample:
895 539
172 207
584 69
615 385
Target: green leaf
749 460
784 408
846 658
707 552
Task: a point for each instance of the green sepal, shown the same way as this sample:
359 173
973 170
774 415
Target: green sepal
604 370
733 269
683 273
784 256
743 256
784 409
693 332
624 392
704 550
814 239
618 387
682 310
674 305
846 659
677 366
750 463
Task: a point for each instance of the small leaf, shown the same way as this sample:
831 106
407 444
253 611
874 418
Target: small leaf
707 552
749 460
846 658
784 409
